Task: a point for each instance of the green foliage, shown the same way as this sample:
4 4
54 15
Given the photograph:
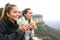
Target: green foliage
40 30
47 32
1 11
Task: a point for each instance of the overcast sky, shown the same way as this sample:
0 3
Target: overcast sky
50 9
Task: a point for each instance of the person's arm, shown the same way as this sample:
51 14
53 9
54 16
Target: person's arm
16 35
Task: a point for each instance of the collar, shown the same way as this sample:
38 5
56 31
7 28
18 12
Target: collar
10 24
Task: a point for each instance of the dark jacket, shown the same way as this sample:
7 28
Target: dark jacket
9 31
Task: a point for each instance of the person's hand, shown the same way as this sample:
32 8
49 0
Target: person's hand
32 25
28 26
24 27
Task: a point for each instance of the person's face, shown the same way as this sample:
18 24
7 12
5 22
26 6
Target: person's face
14 14
28 15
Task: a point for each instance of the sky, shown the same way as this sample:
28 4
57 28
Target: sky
50 9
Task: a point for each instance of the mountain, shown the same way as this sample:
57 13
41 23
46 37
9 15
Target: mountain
53 33
54 24
48 30
44 30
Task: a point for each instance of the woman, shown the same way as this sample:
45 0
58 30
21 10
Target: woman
27 19
9 30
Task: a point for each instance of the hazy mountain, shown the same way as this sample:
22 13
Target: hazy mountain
53 33
46 30
54 24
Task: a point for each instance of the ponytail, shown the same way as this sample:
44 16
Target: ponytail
6 9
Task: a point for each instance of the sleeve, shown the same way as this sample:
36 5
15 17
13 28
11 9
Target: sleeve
16 35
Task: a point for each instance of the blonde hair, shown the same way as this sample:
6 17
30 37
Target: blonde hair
7 9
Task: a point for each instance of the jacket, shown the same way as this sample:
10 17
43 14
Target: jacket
9 31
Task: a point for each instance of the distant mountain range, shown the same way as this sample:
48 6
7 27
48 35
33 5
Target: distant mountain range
54 24
53 33
50 29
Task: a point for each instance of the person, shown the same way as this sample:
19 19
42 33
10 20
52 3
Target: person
9 29
27 19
